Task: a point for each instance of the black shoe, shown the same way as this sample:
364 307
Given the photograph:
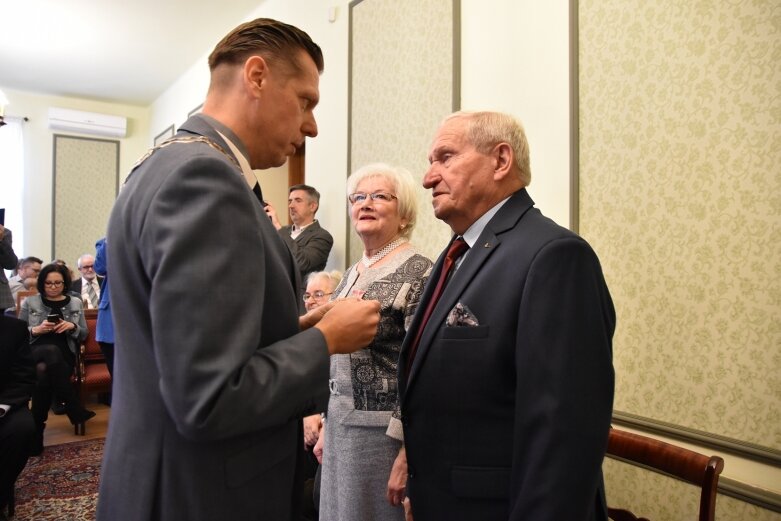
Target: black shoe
58 408
81 416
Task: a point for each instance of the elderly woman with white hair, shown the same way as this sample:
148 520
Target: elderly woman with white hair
364 466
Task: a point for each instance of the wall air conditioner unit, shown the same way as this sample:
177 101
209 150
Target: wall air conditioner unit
81 122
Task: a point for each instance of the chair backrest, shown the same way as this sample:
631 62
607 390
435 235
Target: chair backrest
678 462
21 295
91 350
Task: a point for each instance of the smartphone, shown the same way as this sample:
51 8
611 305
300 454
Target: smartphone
53 318
2 216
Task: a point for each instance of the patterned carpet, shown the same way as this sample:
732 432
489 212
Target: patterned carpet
61 484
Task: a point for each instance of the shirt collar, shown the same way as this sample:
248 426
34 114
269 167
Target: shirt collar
301 228
473 232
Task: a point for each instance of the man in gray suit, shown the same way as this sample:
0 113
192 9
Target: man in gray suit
210 386
309 242
506 379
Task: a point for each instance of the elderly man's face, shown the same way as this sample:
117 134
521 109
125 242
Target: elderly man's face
460 177
87 267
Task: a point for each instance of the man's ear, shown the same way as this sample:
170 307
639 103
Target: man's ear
503 160
255 74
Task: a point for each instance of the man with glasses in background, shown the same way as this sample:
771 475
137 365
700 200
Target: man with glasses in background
26 277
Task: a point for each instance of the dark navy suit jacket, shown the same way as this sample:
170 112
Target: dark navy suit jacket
509 418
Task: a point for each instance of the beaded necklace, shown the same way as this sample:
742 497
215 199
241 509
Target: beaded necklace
368 261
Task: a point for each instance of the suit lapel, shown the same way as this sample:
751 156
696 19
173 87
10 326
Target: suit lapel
306 232
485 246
478 255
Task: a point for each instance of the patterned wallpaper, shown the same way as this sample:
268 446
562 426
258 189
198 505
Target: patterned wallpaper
85 182
680 179
402 84
662 498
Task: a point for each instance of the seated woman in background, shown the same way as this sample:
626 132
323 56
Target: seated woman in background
364 466
57 327
320 285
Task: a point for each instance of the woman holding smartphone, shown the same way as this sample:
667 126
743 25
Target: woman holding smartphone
57 327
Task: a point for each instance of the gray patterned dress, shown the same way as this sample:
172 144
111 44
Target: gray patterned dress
362 431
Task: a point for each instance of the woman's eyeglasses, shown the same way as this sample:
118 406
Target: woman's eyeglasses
54 284
377 197
317 295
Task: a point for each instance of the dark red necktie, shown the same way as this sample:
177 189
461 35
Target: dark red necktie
457 248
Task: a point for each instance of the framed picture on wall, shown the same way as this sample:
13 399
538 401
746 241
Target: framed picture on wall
196 110
165 134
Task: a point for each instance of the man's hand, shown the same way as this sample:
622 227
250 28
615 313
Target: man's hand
318 450
312 425
397 482
350 325
272 214
407 510
2 232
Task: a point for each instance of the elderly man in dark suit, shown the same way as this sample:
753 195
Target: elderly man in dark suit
506 375
17 381
309 242
89 286
210 386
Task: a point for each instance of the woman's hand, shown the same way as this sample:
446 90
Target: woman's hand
63 326
397 483
44 327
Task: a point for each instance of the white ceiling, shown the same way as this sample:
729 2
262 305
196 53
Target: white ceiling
125 51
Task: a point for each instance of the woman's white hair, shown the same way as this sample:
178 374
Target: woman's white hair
334 277
403 186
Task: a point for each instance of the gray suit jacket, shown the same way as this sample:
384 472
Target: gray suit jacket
310 248
8 261
522 434
209 387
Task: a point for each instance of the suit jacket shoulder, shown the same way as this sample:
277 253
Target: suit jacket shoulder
17 370
310 249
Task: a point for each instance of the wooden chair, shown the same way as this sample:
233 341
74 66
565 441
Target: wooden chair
671 460
21 295
92 376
